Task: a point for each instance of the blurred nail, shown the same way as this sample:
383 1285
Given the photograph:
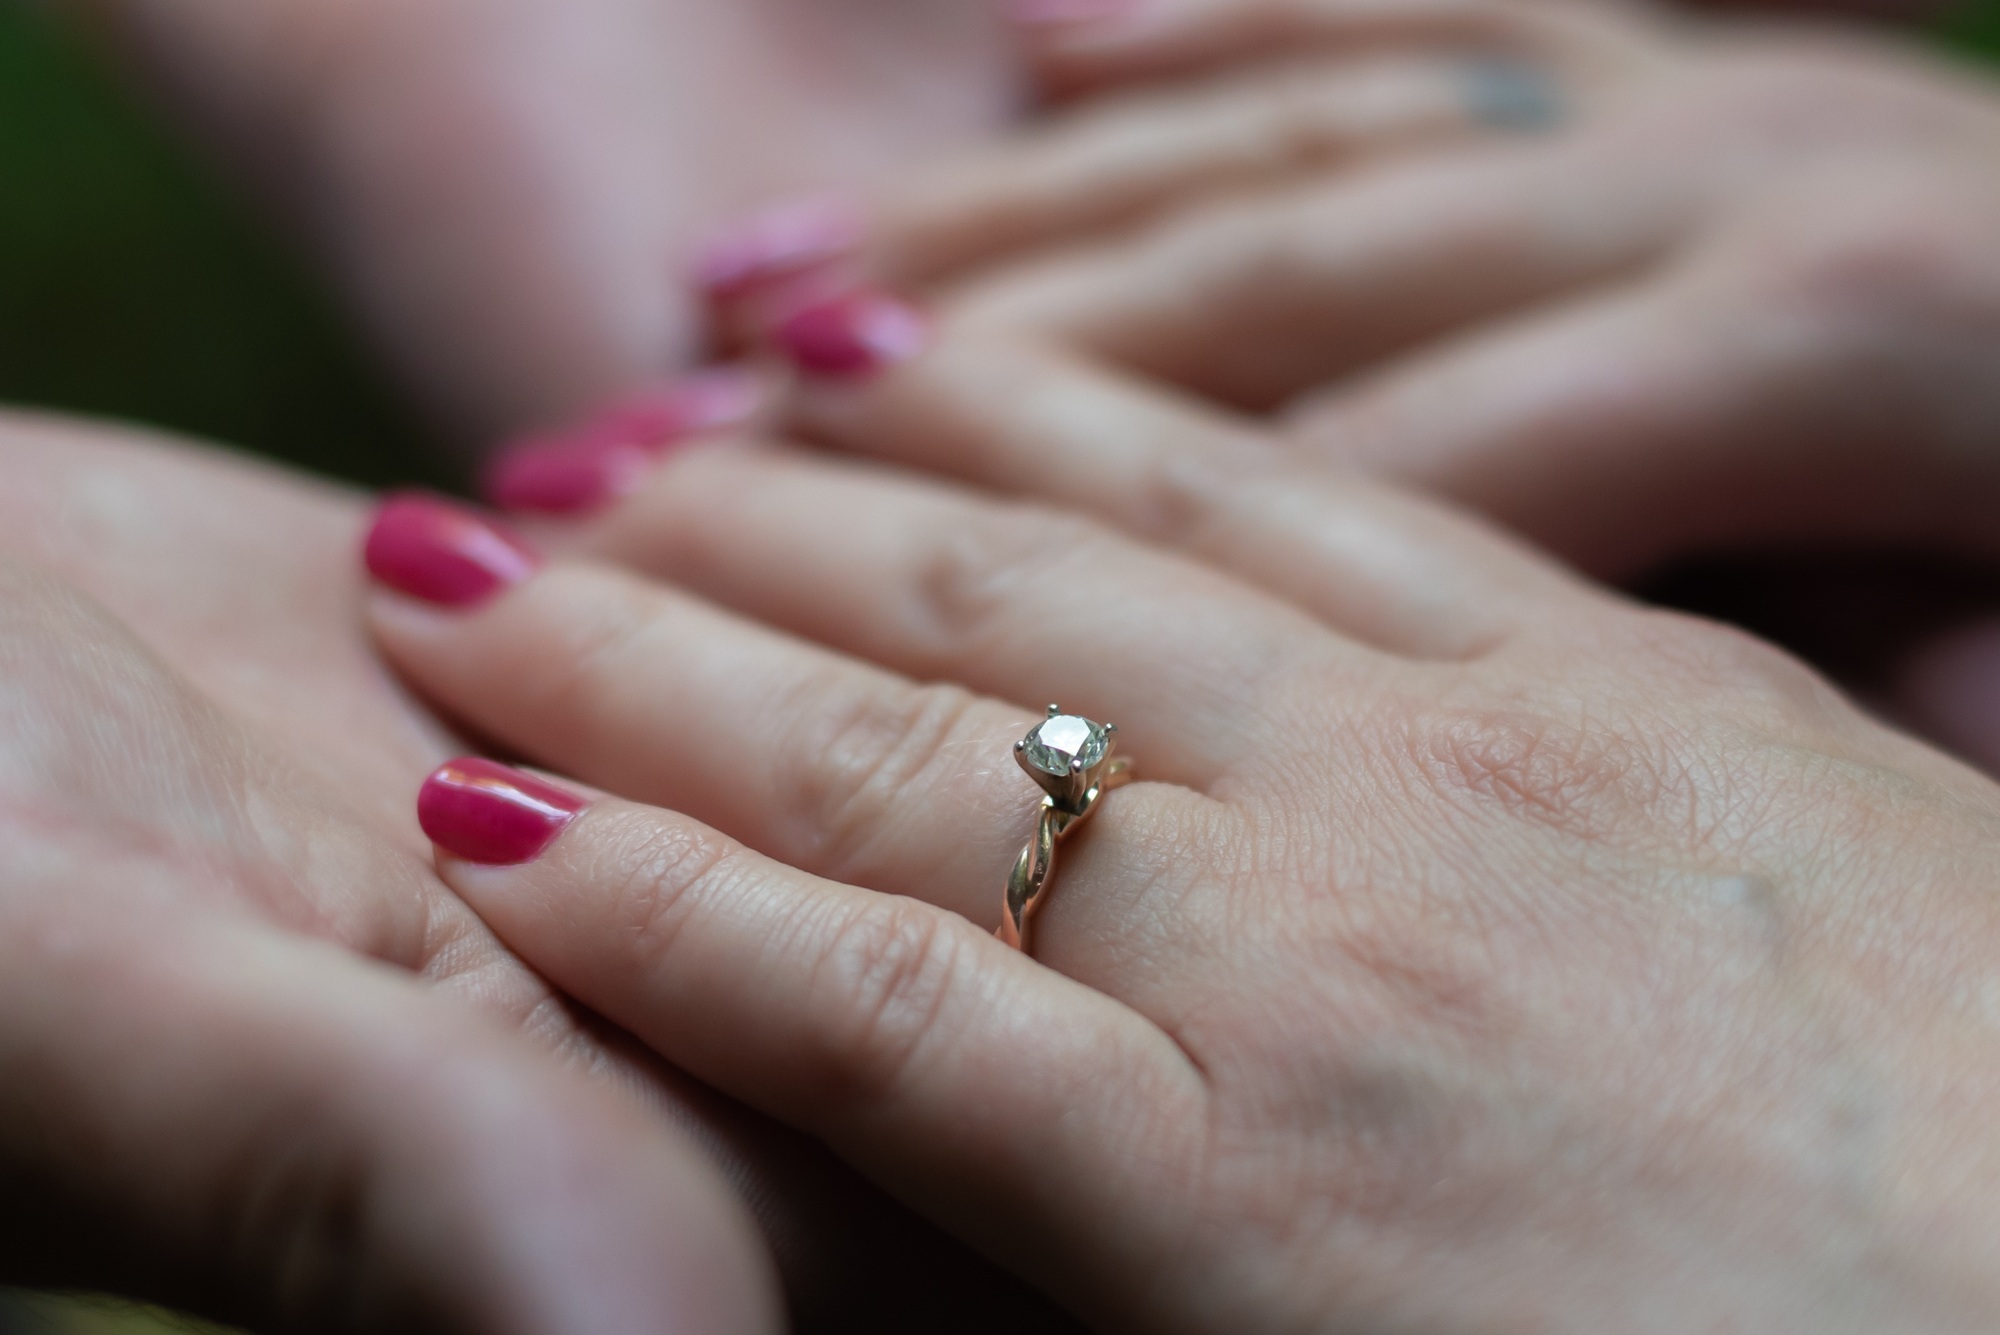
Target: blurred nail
591 465
777 243
853 335
486 812
1053 13
443 552
564 479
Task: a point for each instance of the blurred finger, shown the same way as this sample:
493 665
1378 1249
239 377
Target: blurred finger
1664 419
1080 45
1115 163
1255 301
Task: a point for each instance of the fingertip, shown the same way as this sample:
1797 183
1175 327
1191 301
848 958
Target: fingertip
443 552
853 336
484 812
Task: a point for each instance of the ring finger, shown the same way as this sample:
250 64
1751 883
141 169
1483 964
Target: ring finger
825 763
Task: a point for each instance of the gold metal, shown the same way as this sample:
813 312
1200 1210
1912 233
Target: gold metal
1068 801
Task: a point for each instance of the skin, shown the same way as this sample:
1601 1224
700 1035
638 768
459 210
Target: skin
508 194
1481 951
1620 341
257 1060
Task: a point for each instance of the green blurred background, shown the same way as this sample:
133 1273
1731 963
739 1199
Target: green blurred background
131 286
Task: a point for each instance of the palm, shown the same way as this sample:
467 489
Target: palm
251 733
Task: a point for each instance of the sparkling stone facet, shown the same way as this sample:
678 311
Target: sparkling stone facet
1059 742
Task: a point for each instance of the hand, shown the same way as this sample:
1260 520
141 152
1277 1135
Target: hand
1619 341
255 1058
510 193
1483 951
237 592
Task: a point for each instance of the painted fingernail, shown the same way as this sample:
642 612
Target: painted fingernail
852 336
443 552
564 479
591 465
483 811
1056 13
778 243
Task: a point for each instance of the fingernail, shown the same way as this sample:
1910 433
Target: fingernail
564 479
591 465
1055 13
853 335
443 552
777 243
483 811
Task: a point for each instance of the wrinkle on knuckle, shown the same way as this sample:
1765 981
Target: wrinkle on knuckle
889 971
978 571
867 759
1583 781
654 877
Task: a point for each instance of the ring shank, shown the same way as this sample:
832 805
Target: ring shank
1028 884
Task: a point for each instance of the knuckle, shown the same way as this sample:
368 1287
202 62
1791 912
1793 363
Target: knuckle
1581 781
1735 671
653 872
870 755
889 971
990 562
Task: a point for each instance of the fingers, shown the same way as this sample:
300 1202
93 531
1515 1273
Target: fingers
277 1133
1078 45
1008 416
1735 400
1013 601
1116 163
994 1094
1260 300
828 764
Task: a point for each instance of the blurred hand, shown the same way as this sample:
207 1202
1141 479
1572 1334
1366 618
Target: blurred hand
1482 952
255 1058
511 192
247 1019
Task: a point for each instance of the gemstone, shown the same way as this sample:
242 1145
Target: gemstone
1059 742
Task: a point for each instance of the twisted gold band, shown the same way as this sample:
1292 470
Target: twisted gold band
1070 758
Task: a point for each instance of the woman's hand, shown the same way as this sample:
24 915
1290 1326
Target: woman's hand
255 1058
1482 951
275 778
510 192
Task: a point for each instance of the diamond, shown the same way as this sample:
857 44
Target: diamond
1063 739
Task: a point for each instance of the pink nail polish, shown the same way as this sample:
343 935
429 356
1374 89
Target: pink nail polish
1055 13
591 465
853 335
777 243
564 478
486 812
443 552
